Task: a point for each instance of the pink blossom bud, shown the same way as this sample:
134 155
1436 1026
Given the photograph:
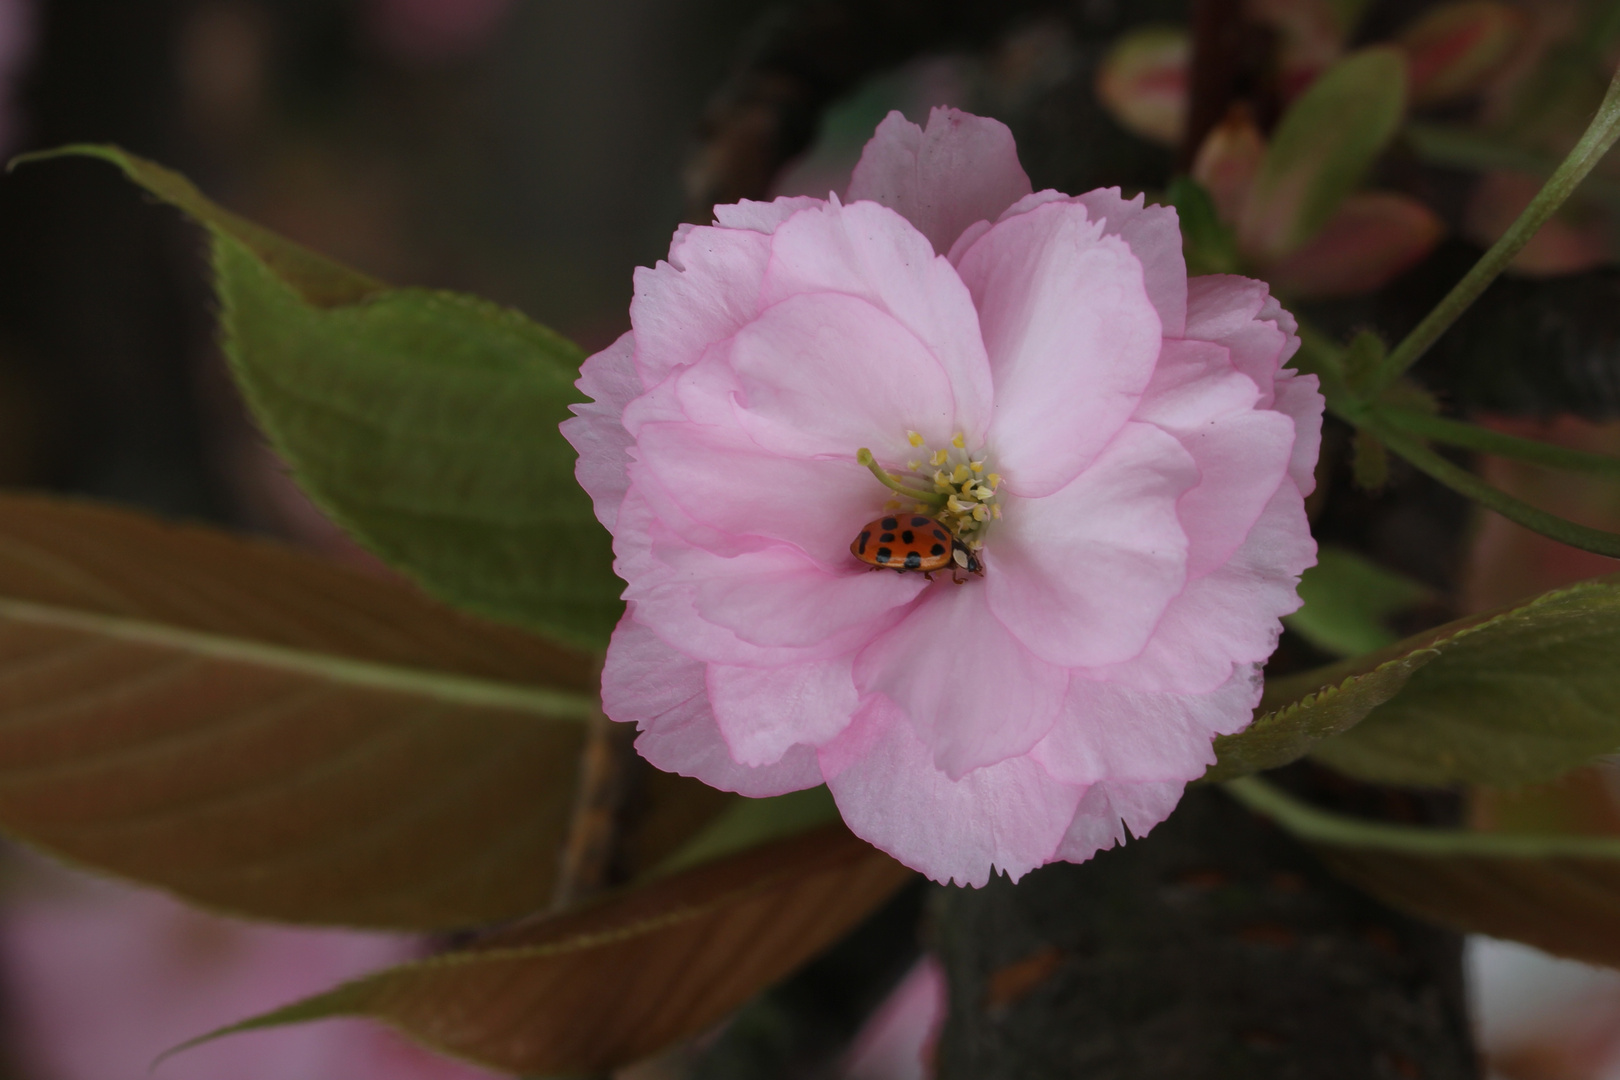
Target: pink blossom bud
1142 82
1454 49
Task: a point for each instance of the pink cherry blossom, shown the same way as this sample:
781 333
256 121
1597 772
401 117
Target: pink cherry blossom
1120 446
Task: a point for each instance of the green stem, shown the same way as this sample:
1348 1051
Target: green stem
1319 826
887 479
1599 136
1486 441
1461 480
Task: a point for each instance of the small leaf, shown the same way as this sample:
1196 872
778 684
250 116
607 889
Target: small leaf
265 733
1228 161
1320 151
1207 244
1559 893
1373 238
594 990
1142 82
1369 462
1455 48
1517 697
1347 600
425 423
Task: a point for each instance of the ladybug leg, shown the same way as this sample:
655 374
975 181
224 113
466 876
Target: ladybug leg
928 575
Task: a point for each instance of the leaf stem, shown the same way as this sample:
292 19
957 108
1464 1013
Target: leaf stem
888 480
1461 148
1461 480
1486 441
1599 137
1340 830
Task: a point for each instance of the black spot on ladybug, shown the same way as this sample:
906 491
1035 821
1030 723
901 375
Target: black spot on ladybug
865 536
890 523
937 550
883 555
919 522
939 534
887 538
913 561
908 537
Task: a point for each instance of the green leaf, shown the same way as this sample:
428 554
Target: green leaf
1299 711
423 422
747 823
590 991
1347 600
1517 697
1560 893
1322 149
265 733
1208 244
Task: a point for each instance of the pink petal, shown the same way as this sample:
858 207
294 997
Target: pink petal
765 712
963 169
1153 234
871 252
666 572
975 695
1107 731
777 597
1241 454
704 294
1194 381
646 682
1298 398
1072 339
897 1041
1109 809
1241 314
597 431
761 216
1230 616
1083 576
1011 815
1241 458
828 374
727 482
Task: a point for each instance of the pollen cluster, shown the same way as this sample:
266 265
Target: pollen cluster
966 491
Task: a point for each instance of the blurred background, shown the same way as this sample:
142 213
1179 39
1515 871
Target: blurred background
535 152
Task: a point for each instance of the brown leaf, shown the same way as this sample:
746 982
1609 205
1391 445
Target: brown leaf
265 733
1558 892
594 989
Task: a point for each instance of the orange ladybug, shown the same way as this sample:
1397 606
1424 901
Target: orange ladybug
902 542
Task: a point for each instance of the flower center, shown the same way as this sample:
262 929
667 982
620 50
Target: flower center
949 484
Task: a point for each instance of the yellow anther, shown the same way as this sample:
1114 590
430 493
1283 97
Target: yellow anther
995 480
958 441
995 512
913 466
939 458
960 474
914 438
976 466
892 504
981 513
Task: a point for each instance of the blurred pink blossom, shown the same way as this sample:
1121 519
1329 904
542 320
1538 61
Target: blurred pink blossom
897 1042
16 45
100 979
1121 446
434 31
